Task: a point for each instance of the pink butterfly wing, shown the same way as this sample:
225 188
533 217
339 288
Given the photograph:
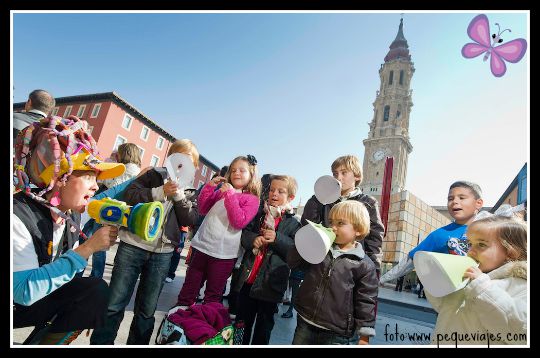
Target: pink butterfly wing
512 51
498 67
471 50
478 30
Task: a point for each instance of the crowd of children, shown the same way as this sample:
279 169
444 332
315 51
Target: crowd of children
57 168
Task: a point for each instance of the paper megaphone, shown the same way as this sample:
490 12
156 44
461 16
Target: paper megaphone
442 274
327 189
313 242
180 169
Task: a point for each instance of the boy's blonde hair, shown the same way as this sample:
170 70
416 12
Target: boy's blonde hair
129 153
254 184
355 213
510 231
350 162
292 186
184 146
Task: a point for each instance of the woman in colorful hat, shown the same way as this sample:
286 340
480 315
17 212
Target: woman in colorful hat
56 167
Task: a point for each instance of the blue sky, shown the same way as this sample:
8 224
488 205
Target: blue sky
293 89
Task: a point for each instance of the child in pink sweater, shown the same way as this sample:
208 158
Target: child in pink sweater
216 246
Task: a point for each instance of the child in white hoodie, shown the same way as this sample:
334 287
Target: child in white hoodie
492 308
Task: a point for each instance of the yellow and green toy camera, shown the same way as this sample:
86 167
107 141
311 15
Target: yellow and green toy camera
143 219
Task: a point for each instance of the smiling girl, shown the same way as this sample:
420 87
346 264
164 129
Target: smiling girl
216 246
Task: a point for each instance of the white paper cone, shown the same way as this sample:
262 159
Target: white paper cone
327 189
313 243
442 274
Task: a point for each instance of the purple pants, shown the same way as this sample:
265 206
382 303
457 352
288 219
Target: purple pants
204 267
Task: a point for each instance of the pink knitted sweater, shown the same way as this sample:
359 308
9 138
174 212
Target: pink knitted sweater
241 207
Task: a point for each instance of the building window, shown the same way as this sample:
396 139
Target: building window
95 110
55 111
212 175
391 79
201 183
119 140
67 112
401 78
90 129
126 123
159 143
145 133
154 161
398 113
141 150
386 113
80 112
203 170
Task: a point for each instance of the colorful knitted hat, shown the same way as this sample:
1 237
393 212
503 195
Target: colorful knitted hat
49 150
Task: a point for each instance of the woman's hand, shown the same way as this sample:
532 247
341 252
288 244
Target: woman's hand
101 240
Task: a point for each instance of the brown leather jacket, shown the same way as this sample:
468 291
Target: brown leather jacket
340 292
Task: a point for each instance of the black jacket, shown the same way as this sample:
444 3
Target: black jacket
271 281
37 219
372 244
339 293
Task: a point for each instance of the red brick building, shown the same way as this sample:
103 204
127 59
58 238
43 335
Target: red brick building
113 121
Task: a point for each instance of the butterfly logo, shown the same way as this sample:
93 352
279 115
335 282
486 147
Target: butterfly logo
512 51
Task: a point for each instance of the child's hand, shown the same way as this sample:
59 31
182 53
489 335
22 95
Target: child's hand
269 235
170 188
258 242
217 180
472 273
225 187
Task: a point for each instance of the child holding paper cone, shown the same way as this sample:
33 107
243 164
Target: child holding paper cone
492 308
348 171
336 301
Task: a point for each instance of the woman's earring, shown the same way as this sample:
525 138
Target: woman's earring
55 200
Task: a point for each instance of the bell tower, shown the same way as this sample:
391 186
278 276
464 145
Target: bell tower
389 128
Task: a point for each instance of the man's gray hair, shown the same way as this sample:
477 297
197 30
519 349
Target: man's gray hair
42 101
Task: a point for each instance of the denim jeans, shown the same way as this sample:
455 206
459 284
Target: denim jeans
306 333
129 263
98 264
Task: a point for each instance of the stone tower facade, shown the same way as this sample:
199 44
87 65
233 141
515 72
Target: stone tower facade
389 128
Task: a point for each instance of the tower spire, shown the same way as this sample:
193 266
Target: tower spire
399 47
